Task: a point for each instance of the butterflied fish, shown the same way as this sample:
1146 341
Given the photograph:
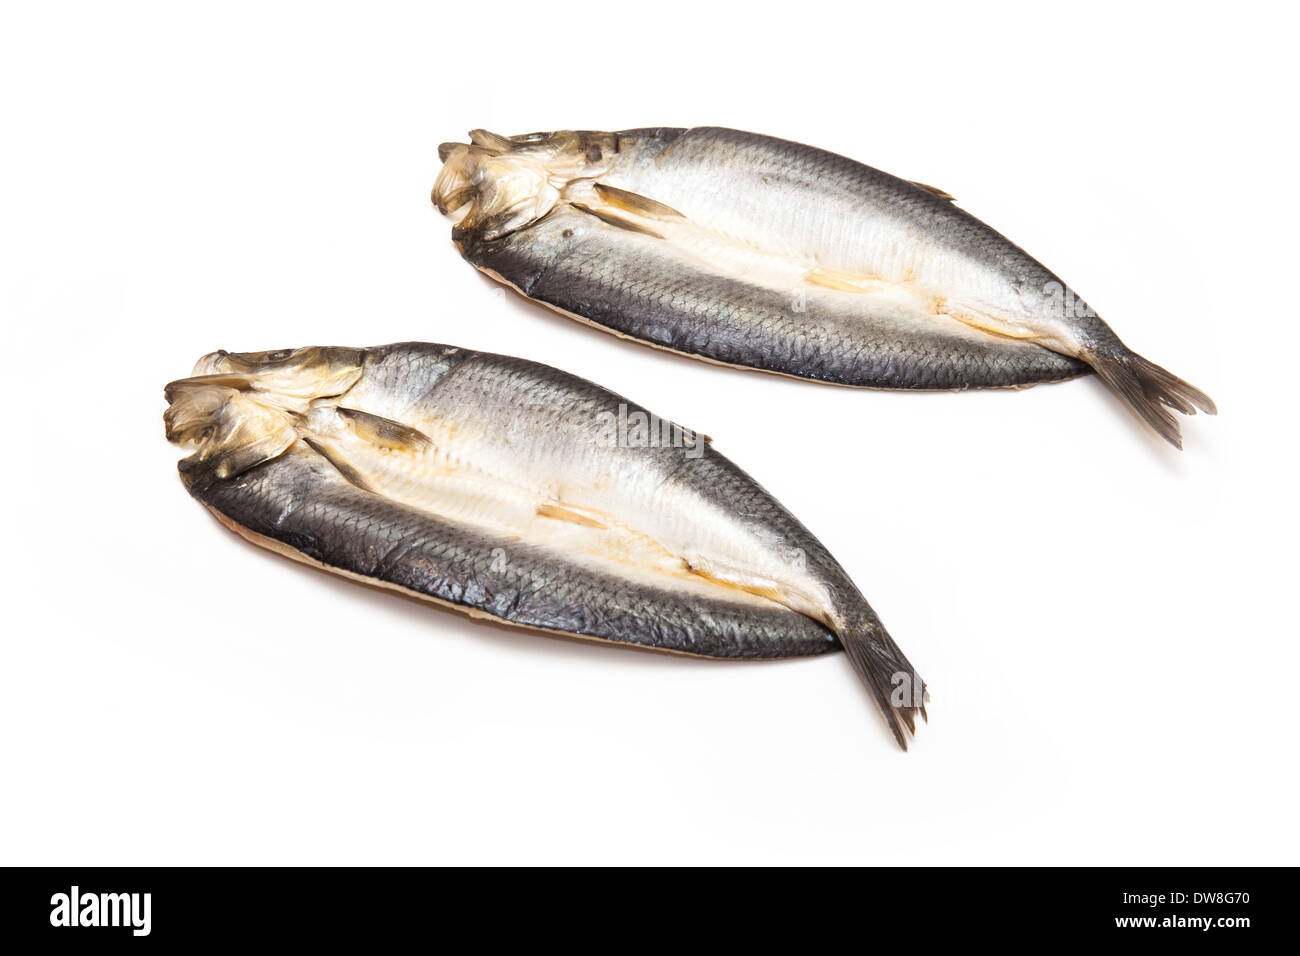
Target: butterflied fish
758 252
516 492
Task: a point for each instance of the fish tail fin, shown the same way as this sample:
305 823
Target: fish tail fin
895 686
1150 390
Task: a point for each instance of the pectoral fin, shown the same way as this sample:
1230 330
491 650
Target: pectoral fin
384 431
635 203
332 455
614 219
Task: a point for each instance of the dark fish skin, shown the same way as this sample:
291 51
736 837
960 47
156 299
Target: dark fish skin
747 579
612 278
300 501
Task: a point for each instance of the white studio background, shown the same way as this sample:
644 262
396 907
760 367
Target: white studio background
1107 625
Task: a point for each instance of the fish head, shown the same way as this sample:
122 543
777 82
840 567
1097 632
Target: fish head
499 184
239 409
288 374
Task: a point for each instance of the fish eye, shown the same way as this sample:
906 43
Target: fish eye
594 154
279 355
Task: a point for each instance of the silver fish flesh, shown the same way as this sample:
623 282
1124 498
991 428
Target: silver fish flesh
752 251
516 492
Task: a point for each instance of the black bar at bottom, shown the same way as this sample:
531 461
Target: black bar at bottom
667 907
